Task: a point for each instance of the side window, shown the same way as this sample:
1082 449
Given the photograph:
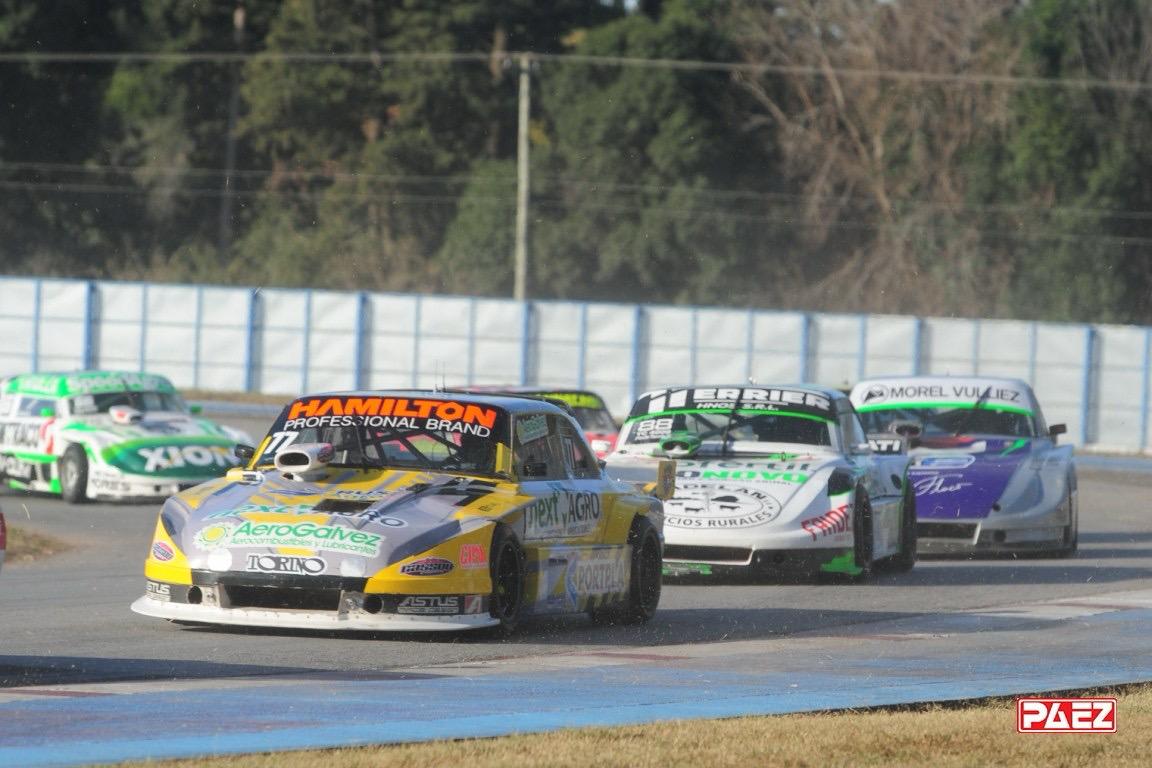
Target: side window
33 406
851 429
582 465
537 454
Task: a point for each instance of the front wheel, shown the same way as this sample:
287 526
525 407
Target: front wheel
73 472
904 560
645 581
506 564
1072 530
863 535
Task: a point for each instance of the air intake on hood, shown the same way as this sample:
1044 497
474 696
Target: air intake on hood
343 506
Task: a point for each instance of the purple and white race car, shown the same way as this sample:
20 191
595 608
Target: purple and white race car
988 474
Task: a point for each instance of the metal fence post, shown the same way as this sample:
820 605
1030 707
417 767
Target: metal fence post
197 335
1145 382
470 373
250 341
142 362
416 320
976 328
37 313
862 348
805 342
306 343
1086 400
525 341
634 364
582 347
89 311
750 346
917 346
358 351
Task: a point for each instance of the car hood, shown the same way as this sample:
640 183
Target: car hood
741 491
963 477
354 521
161 444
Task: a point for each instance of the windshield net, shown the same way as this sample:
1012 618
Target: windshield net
399 432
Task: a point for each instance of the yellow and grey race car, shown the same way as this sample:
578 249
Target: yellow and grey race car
412 511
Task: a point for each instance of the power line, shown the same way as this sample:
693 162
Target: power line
569 182
715 214
377 59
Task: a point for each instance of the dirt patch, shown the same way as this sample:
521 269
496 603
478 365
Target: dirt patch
27 546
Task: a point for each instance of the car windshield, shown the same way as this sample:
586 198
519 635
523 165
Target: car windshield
734 431
88 404
398 432
951 420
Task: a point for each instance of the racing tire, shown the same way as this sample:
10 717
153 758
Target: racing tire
506 567
1072 530
904 560
645 580
73 474
863 533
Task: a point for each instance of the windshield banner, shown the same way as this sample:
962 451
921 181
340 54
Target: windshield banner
733 398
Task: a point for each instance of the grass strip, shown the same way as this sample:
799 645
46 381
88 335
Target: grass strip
941 736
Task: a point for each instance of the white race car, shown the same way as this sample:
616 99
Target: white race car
772 479
988 474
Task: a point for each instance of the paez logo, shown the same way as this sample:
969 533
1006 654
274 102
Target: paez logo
1084 715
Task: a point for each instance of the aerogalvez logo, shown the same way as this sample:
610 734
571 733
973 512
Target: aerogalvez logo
304 535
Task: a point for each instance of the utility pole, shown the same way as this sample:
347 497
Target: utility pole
520 290
224 241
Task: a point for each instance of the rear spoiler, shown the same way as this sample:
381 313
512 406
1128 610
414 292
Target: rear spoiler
648 475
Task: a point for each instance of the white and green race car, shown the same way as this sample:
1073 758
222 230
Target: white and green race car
106 435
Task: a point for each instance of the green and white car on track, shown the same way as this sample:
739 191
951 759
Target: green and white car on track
106 435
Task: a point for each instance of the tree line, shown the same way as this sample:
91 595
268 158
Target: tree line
974 158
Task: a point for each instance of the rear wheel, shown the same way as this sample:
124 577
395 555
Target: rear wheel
904 560
1072 530
645 579
863 535
506 564
73 473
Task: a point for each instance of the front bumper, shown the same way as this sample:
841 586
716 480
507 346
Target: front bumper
1034 530
112 485
722 561
350 615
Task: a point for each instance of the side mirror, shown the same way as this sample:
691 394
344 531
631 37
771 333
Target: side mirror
243 452
1057 429
195 409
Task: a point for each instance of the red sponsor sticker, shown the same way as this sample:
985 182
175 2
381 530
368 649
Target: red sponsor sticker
473 556
1081 715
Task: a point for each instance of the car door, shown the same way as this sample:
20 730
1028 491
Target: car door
883 477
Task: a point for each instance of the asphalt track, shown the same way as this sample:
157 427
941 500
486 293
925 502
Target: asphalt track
84 680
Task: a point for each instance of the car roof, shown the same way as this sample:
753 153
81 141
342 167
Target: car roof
66 383
510 403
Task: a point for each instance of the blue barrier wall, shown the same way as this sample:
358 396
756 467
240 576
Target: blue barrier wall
1094 378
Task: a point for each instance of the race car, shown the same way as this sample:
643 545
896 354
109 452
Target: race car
106 435
589 408
410 510
987 470
773 480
